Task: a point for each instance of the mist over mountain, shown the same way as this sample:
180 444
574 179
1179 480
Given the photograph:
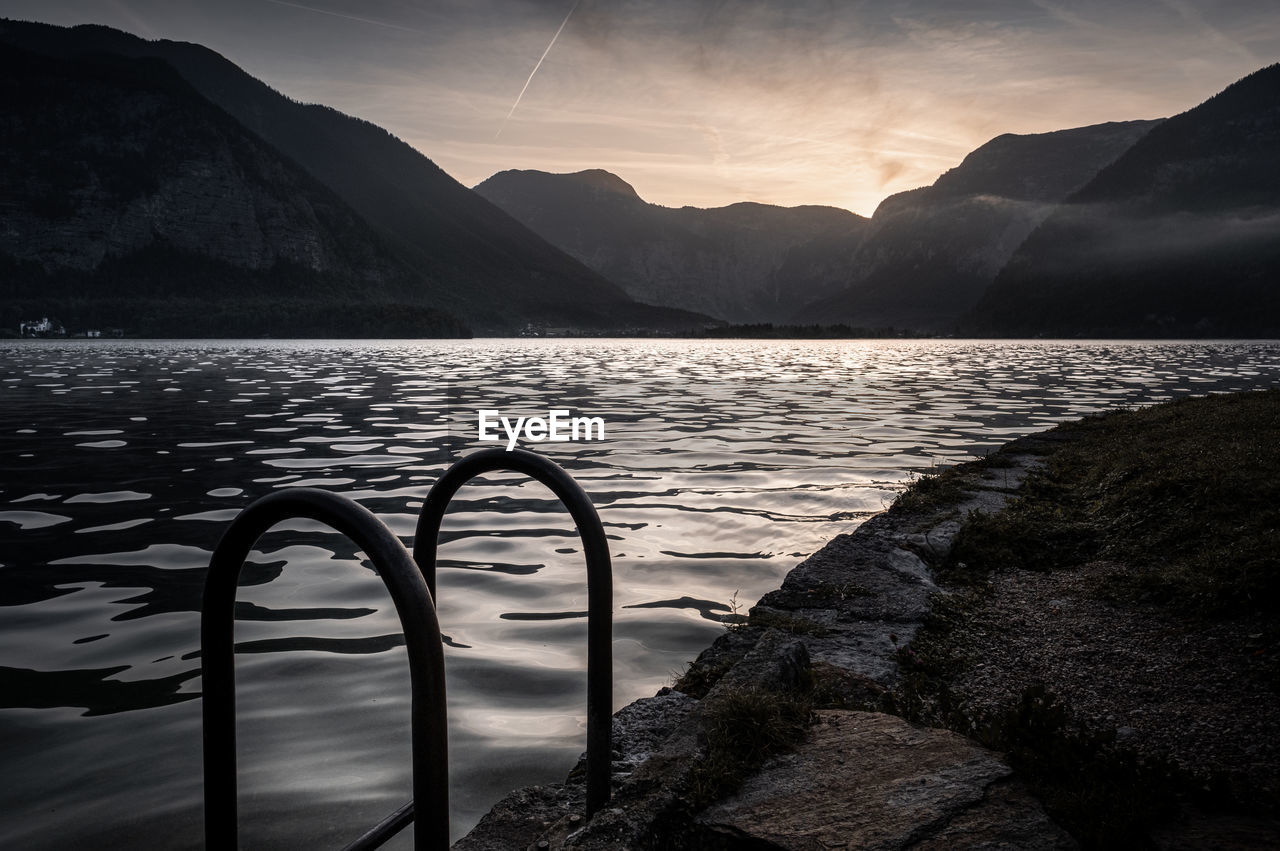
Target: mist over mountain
745 262
466 255
1179 237
930 253
131 201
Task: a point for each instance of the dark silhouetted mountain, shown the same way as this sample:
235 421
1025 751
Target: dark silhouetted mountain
1179 237
470 257
930 253
130 201
743 263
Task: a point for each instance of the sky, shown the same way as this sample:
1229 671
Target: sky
710 102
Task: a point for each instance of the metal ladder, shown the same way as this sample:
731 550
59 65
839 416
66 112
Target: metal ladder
411 583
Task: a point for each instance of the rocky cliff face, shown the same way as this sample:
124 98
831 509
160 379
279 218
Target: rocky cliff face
123 184
103 159
743 263
1180 236
929 254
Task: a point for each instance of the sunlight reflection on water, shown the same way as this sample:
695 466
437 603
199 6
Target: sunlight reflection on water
724 463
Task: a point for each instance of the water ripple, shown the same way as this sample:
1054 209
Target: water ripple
724 463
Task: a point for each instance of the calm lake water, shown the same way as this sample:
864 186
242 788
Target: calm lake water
724 463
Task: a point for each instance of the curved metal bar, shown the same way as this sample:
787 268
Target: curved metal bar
375 836
599 585
422 640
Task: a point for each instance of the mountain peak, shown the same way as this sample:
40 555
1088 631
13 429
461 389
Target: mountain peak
746 262
1176 237
595 182
606 181
1040 166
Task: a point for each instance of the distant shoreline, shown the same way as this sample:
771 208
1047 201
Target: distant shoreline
778 335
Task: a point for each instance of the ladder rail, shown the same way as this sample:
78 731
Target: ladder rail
416 610
411 583
599 585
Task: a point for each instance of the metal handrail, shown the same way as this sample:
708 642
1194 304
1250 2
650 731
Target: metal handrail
599 585
412 588
417 614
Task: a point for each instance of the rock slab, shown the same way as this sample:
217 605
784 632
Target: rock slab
868 780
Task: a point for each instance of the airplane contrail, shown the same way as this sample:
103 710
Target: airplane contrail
347 17
535 69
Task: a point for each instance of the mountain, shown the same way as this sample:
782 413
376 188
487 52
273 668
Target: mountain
470 257
1180 236
930 253
743 263
131 201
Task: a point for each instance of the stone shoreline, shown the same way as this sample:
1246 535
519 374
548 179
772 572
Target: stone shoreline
859 778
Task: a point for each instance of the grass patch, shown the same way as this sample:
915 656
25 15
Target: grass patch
942 487
1000 460
931 490
930 662
1187 494
700 677
1030 536
743 728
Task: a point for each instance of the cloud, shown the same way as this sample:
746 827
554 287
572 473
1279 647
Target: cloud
1189 13
712 101
345 16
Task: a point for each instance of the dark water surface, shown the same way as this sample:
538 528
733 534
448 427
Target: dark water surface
724 463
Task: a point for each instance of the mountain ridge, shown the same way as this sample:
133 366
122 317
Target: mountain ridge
745 262
921 262
931 252
1122 228
132 201
473 259
1180 236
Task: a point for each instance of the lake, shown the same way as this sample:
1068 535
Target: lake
723 464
